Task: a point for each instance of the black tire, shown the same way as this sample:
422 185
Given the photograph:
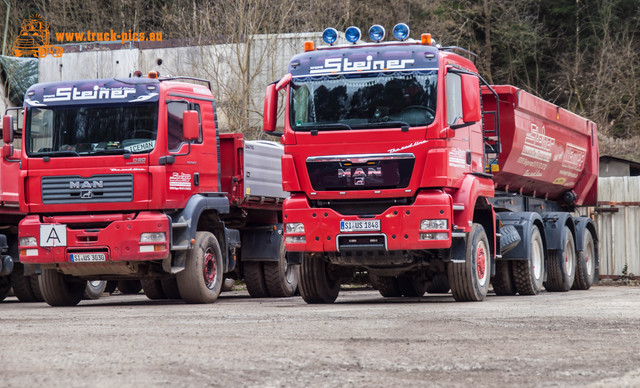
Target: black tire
503 283
254 279
111 286
387 286
281 278
170 288
153 289
61 290
5 287
586 264
94 289
316 283
439 284
528 275
129 287
561 265
22 284
411 286
35 288
470 280
202 277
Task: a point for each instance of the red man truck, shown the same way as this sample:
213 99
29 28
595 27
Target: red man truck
131 179
402 161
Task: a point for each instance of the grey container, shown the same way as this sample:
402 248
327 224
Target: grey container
263 169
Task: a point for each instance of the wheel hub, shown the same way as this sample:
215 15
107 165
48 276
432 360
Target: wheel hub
210 268
481 262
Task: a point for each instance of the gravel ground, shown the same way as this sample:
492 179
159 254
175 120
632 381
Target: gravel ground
581 338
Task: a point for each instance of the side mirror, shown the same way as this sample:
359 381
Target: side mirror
190 125
270 115
7 129
470 99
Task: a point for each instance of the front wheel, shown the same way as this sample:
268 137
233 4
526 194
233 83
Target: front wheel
281 278
61 290
94 289
317 284
470 280
201 279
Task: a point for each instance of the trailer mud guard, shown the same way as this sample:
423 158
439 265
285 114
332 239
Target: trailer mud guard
523 222
554 223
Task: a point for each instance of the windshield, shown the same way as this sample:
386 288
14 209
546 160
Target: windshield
90 130
354 101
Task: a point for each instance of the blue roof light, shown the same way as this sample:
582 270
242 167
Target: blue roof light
401 31
352 34
376 33
330 35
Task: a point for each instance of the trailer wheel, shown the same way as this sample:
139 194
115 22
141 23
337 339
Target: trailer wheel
201 279
387 286
281 278
586 264
94 289
5 287
561 265
529 274
153 289
111 286
411 286
170 288
470 280
503 282
61 290
439 284
22 284
317 284
254 279
129 287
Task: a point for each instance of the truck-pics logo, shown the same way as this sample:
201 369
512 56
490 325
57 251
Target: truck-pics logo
339 65
35 39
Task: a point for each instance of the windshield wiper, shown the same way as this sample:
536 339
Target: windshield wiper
111 151
58 153
327 126
404 126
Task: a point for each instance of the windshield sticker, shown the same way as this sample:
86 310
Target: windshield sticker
180 181
98 93
146 146
338 65
130 169
414 144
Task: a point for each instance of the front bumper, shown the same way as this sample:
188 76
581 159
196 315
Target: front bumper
116 236
399 226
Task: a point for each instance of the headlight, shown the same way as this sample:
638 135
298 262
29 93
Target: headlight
434 224
28 242
296 227
153 237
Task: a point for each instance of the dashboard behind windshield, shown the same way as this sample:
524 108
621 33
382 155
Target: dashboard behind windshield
355 101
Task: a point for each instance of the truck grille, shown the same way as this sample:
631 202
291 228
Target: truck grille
97 188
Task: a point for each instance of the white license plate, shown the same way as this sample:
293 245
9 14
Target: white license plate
87 257
360 226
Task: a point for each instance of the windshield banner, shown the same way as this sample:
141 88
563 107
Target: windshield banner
92 92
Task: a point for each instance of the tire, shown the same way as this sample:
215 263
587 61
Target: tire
503 283
586 264
61 290
202 277
254 278
35 288
153 289
411 286
470 280
528 275
561 265
281 278
94 289
5 287
439 284
170 288
22 284
129 287
387 286
316 283
228 284
111 286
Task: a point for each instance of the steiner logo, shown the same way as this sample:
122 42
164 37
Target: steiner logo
86 185
338 65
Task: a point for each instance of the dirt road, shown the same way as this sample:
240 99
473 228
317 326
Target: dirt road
587 338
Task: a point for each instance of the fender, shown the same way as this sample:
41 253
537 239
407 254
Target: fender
524 222
554 222
465 198
262 243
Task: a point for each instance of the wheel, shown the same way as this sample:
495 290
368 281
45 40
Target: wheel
411 286
439 284
317 285
470 280
5 287
94 289
153 289
503 283
35 288
129 286
387 286
528 275
586 264
170 288
61 290
42 52
281 278
561 265
111 286
201 279
22 284
254 278
228 284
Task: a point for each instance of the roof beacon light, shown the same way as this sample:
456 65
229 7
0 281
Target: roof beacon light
376 33
401 31
426 39
352 34
330 35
